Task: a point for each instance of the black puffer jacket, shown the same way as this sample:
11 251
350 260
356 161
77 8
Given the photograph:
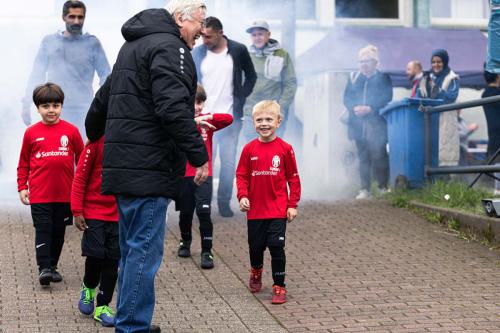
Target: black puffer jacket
145 110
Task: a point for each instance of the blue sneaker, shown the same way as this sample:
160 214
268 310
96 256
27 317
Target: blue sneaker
104 314
86 304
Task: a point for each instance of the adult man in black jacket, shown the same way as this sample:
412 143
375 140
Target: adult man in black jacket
145 110
226 71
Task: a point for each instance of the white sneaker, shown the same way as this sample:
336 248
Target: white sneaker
383 190
363 194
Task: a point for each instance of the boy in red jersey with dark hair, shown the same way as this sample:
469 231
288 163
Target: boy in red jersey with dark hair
199 198
49 152
97 216
267 164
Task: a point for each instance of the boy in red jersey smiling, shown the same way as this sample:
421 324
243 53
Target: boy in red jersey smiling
267 165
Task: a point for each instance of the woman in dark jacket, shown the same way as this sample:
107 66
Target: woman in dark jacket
365 94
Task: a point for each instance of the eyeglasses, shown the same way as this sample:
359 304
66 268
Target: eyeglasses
202 23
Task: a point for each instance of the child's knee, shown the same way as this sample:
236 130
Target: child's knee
277 251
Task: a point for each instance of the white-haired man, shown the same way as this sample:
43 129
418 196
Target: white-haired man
146 108
367 91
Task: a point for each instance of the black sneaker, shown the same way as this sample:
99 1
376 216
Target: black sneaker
155 329
184 249
56 276
225 210
207 260
45 276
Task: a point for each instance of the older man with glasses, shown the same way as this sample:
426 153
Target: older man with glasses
145 110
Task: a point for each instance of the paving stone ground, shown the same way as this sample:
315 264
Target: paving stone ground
352 266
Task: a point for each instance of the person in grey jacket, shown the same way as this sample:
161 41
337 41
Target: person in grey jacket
69 58
276 78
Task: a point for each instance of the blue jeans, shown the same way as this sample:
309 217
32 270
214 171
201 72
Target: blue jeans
142 231
493 50
227 143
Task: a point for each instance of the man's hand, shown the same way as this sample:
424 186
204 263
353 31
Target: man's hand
202 121
26 115
201 174
291 213
24 195
80 223
244 204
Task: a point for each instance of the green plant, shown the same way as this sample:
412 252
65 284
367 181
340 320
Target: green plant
453 224
453 194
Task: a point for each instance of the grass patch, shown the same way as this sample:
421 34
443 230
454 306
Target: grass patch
454 194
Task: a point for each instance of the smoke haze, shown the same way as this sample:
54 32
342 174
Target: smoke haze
326 161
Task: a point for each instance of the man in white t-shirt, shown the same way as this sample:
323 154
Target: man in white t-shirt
225 70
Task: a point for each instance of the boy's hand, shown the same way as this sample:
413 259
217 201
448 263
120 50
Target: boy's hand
202 121
291 213
24 195
80 223
244 204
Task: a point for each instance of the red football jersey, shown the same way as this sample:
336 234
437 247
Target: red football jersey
47 161
86 197
220 120
263 173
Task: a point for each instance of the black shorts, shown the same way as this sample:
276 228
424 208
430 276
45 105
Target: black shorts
100 240
264 233
194 197
55 213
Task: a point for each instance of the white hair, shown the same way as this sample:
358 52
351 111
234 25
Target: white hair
369 52
185 7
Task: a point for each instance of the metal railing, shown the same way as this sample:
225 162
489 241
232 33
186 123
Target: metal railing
487 169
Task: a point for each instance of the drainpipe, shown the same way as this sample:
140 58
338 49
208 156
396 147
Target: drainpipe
288 27
422 13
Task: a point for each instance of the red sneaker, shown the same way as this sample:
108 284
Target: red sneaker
279 295
255 282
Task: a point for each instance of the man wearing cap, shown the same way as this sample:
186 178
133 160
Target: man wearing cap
276 78
226 72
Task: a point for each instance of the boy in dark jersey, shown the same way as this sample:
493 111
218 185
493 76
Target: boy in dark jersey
96 215
267 165
199 197
44 176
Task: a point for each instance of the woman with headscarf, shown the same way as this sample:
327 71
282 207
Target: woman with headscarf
368 91
443 83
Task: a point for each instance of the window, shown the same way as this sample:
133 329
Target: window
304 9
460 12
378 9
33 9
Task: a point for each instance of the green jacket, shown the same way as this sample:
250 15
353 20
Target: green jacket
276 78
